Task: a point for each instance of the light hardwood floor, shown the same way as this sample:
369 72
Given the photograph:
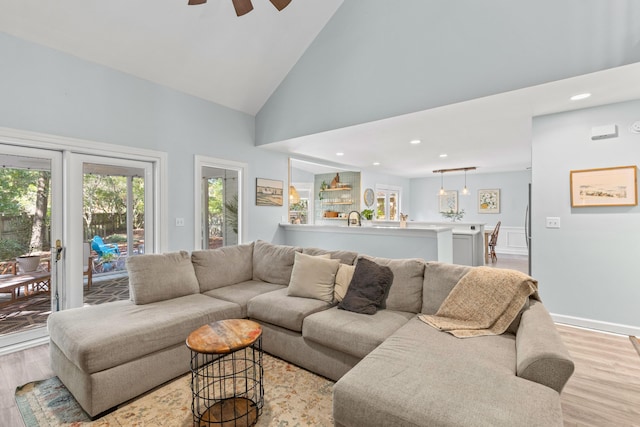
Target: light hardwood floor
604 390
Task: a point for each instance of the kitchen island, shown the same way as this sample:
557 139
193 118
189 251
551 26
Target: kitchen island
431 243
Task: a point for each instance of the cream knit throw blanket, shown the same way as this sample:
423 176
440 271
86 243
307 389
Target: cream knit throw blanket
484 302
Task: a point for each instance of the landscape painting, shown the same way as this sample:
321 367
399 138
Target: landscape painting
604 187
269 192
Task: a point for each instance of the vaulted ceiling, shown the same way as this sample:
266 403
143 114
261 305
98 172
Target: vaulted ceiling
204 50
238 62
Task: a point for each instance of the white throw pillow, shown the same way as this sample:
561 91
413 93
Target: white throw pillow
313 277
343 278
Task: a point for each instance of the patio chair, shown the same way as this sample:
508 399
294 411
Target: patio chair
101 248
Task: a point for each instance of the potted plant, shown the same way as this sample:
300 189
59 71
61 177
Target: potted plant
367 214
453 215
107 261
29 262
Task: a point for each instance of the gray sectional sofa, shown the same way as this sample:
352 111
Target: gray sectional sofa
391 368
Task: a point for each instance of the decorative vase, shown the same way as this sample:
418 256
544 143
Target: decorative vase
28 263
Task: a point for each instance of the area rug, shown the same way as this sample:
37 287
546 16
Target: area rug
293 397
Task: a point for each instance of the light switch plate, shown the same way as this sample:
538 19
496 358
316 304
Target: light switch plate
179 222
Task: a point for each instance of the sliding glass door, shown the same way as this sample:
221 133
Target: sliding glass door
112 199
31 266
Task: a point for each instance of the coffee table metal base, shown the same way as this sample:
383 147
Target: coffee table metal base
226 374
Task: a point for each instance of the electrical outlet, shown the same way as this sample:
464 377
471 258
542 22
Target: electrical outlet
179 222
553 222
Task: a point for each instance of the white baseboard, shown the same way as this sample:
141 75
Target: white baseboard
24 345
599 325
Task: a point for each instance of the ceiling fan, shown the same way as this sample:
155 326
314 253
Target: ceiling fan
244 6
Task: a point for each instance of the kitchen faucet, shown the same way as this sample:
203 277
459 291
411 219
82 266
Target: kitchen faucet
359 218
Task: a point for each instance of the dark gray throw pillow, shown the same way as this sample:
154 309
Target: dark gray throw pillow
368 287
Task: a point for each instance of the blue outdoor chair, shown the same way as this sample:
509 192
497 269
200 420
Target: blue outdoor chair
101 248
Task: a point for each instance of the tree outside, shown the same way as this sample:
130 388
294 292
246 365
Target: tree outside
25 212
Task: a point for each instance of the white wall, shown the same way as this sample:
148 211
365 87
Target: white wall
514 190
378 58
589 268
44 90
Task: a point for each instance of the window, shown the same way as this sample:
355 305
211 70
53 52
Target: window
388 203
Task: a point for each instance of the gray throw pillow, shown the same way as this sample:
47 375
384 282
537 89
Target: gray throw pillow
368 287
313 277
159 277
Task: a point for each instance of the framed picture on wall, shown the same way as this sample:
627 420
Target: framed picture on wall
448 201
489 201
269 192
604 187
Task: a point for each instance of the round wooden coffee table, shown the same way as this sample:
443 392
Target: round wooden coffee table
226 373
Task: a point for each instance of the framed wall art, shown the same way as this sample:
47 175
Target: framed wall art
604 187
448 201
489 201
269 192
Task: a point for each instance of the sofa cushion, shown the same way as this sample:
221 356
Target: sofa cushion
345 257
241 293
159 277
439 280
313 277
352 333
343 279
224 266
420 376
405 293
368 287
282 310
102 336
273 263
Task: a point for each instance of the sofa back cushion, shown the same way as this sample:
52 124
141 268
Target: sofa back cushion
224 266
439 280
405 293
273 263
345 257
159 277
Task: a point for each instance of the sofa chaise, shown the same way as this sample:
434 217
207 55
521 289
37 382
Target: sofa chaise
390 367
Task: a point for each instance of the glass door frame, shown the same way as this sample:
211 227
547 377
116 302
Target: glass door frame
73 293
21 139
57 270
201 162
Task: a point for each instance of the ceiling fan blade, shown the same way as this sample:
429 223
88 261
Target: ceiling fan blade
242 6
194 2
280 4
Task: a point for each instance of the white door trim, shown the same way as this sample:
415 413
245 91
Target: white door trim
242 168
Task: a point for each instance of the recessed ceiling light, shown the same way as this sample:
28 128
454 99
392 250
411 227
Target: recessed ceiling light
580 96
415 141
339 154
443 155
376 163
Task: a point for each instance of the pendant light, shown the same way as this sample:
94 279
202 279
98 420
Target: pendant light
294 197
442 192
465 190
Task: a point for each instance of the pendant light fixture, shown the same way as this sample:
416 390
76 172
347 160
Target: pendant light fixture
465 190
294 197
